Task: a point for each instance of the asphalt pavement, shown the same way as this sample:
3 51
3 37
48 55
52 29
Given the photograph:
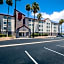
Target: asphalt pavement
33 51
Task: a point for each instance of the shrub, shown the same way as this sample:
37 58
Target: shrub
35 34
9 35
2 35
45 34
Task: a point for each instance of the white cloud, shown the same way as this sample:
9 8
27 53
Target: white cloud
55 16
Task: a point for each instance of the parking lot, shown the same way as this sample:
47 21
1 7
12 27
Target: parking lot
32 51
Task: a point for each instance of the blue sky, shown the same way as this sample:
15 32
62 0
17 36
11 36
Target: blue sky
48 6
52 9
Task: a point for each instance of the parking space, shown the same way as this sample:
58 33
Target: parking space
43 52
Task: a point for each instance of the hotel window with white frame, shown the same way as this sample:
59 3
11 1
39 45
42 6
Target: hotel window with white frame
5 17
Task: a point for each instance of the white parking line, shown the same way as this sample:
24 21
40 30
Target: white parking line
59 46
53 51
9 45
31 57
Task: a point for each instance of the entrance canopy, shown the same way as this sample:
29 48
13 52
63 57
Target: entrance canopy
23 29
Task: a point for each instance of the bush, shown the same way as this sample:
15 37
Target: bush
2 35
9 35
45 34
39 34
35 34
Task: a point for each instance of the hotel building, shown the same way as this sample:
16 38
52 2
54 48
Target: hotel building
24 25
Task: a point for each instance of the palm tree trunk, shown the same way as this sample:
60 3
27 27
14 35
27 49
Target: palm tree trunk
51 29
38 28
33 25
61 29
42 28
28 14
7 21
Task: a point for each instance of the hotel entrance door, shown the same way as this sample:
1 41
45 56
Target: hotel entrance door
22 34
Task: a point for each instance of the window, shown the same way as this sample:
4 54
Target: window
54 27
55 24
9 17
40 29
5 17
9 23
5 22
48 30
9 28
40 25
29 24
40 21
48 23
4 28
47 26
54 30
29 19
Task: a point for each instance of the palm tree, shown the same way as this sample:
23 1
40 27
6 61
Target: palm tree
39 16
1 1
9 2
28 8
34 9
60 22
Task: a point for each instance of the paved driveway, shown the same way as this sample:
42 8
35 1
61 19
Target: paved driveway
37 51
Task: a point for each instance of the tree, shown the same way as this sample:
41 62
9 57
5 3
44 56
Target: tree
60 22
1 1
9 2
35 8
28 8
39 16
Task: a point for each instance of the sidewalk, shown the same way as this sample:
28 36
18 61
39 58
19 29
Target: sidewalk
12 38
6 38
45 36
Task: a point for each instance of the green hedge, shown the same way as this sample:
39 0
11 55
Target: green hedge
35 34
9 35
45 34
39 34
2 35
